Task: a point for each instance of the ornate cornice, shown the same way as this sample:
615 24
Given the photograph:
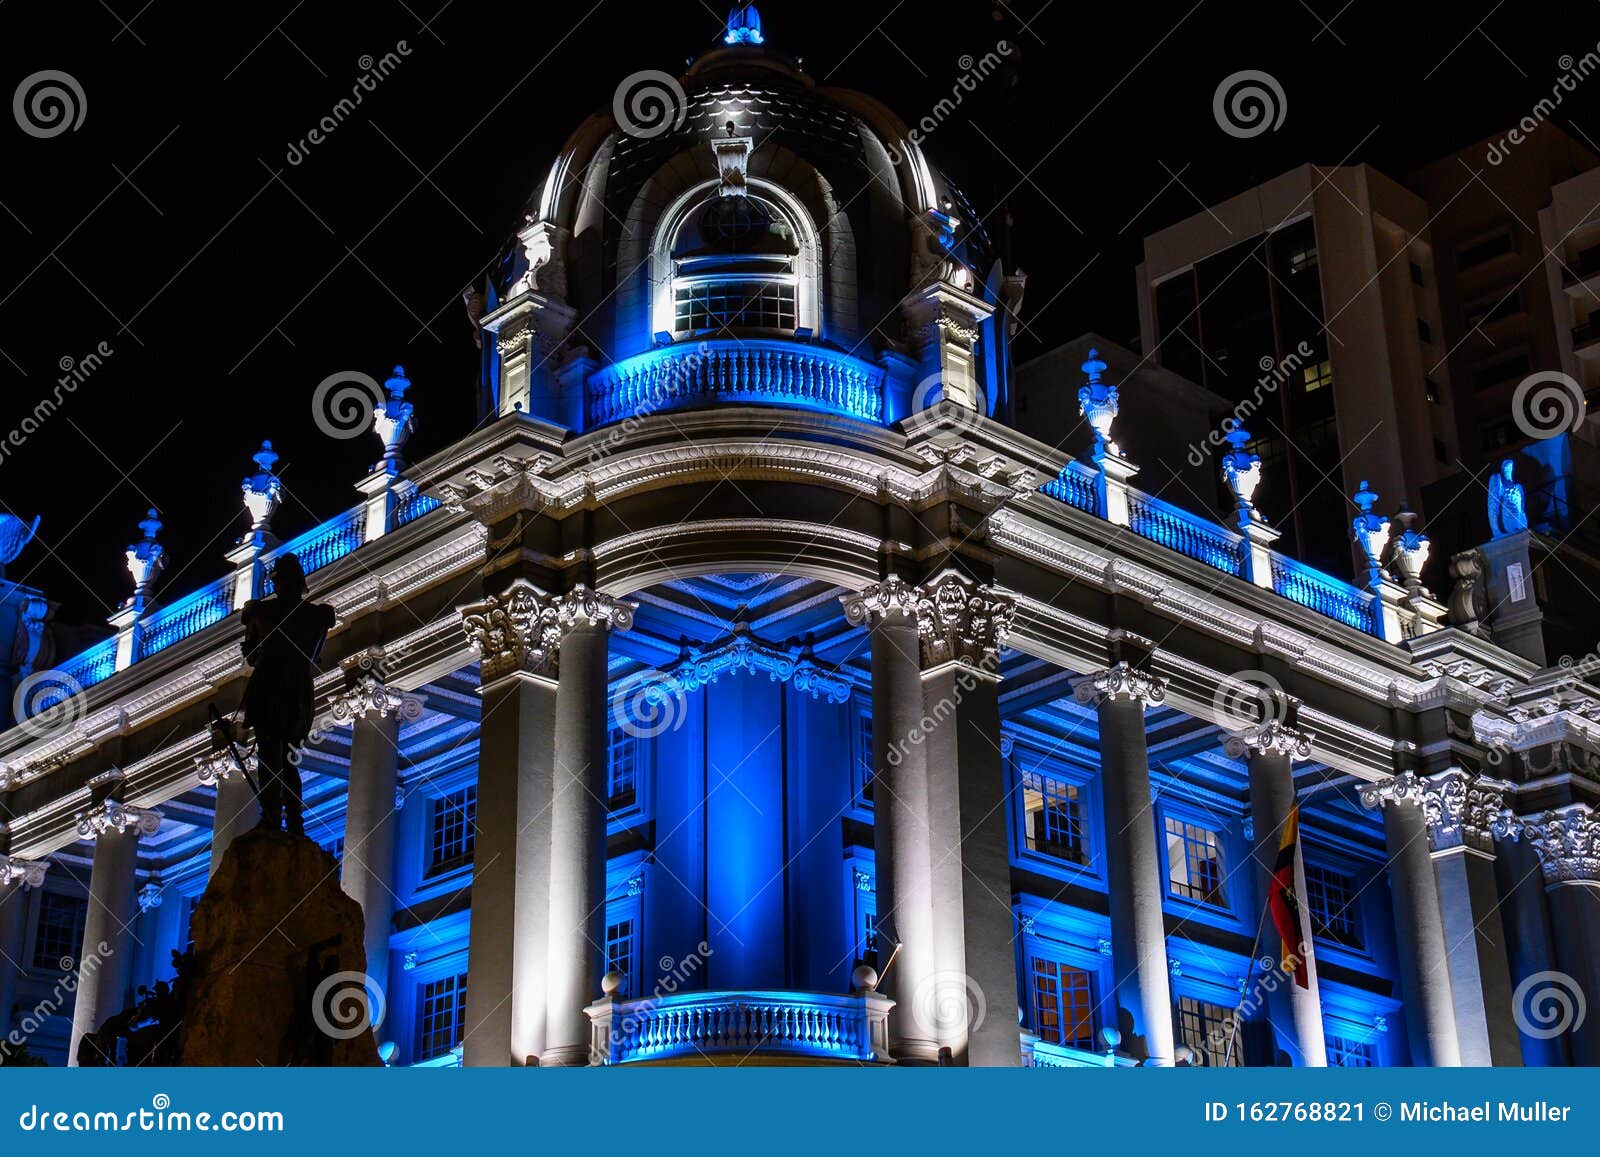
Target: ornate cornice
112 816
962 622
1121 681
742 651
367 695
1273 737
30 872
1566 838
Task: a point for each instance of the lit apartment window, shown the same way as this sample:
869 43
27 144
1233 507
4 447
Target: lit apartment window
60 935
1430 390
620 946
1194 862
1302 260
622 772
1206 1029
1331 897
1053 818
455 830
1317 376
1063 1003
1344 1053
441 1015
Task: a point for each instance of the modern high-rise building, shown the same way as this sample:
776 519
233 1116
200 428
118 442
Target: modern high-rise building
746 686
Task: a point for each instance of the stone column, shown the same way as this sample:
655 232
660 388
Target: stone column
1528 933
1461 810
238 810
972 999
516 637
1270 750
1419 924
902 829
374 713
105 962
16 877
578 821
1133 864
1566 1002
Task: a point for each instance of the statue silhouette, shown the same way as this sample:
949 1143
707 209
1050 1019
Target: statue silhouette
283 635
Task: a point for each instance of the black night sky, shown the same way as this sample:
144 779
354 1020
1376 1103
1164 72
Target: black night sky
228 282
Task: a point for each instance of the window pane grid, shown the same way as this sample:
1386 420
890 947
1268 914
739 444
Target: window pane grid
441 1016
60 930
739 304
1194 862
1344 1053
455 829
1204 1028
619 953
1056 824
623 769
1063 1004
1331 897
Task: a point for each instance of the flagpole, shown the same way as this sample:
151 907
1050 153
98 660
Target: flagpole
1255 950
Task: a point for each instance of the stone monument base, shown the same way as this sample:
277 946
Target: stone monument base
279 973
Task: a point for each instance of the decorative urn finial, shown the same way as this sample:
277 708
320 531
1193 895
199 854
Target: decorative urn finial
1097 401
1371 531
263 491
1411 549
146 560
1241 470
392 421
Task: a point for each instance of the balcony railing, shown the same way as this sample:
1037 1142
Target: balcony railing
187 616
773 373
713 1025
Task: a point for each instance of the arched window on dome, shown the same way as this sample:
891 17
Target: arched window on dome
735 265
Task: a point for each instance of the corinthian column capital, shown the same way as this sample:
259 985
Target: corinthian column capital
368 695
112 816
514 632
1567 840
1272 737
585 607
1122 682
892 596
1460 809
962 622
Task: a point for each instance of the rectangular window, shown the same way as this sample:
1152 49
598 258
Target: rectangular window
620 953
1478 253
1317 376
748 304
1331 897
1416 274
869 932
455 830
1344 1053
622 772
1054 819
60 930
864 754
1301 260
441 1016
1207 1028
1194 862
1063 1003
1424 330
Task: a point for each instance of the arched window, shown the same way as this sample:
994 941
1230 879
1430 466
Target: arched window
738 264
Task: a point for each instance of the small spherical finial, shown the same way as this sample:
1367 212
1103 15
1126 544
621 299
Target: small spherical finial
1111 1036
1183 1056
864 978
611 983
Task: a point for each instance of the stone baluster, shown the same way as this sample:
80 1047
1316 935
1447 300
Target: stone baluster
105 962
1270 750
1419 922
1136 890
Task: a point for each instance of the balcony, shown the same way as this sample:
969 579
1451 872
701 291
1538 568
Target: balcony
1586 339
762 371
733 1027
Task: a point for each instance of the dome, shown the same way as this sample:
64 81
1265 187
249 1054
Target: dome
740 199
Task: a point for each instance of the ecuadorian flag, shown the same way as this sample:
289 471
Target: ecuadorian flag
1285 905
